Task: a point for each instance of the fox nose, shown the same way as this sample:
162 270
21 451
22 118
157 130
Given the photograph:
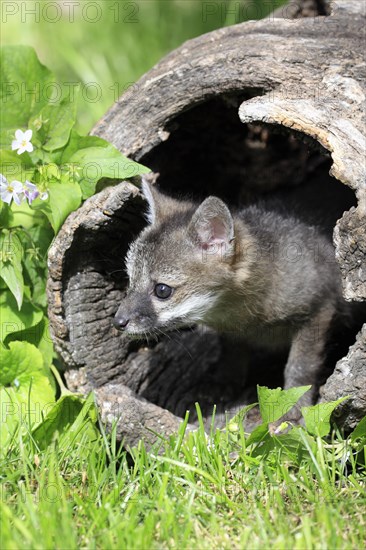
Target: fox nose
120 322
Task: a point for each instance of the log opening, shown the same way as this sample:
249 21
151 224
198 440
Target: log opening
259 110
209 151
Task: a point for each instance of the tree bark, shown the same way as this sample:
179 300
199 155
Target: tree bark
263 109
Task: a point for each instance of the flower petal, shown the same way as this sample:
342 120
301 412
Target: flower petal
31 196
17 186
6 196
28 135
18 198
3 179
15 144
19 135
28 147
21 150
31 186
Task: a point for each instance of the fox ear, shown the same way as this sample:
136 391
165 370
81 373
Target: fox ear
151 195
161 207
212 226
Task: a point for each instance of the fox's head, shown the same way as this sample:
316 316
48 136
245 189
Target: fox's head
178 266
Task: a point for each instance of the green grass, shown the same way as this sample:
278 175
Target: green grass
193 492
83 490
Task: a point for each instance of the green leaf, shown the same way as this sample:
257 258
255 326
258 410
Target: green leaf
42 236
21 365
11 254
62 200
54 123
24 82
69 417
358 440
317 417
13 320
273 404
93 158
14 166
35 259
45 344
360 430
10 416
39 336
6 215
24 216
27 393
259 434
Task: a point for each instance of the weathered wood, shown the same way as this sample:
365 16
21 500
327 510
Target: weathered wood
298 86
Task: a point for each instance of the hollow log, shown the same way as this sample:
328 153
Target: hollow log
270 110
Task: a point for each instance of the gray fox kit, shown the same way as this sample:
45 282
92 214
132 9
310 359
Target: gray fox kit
267 277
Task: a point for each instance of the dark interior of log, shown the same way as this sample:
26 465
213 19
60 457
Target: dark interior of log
209 151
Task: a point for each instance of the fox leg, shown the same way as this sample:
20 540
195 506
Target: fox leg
306 357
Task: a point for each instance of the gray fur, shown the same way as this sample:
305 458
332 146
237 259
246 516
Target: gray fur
271 279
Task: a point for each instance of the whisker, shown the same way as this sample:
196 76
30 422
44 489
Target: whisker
179 342
117 271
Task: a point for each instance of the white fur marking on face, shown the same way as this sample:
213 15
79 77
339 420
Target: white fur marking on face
193 309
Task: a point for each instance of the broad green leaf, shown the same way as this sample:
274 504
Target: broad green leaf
6 215
317 417
295 446
26 217
11 254
13 320
77 143
36 242
45 344
259 434
358 440
93 158
40 337
12 275
291 443
360 430
25 85
16 167
42 236
105 162
21 365
273 404
54 123
10 415
70 417
62 200
26 394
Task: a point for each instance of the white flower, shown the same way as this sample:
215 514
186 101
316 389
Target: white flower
30 191
10 191
22 141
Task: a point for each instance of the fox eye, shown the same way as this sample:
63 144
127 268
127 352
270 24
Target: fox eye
163 291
